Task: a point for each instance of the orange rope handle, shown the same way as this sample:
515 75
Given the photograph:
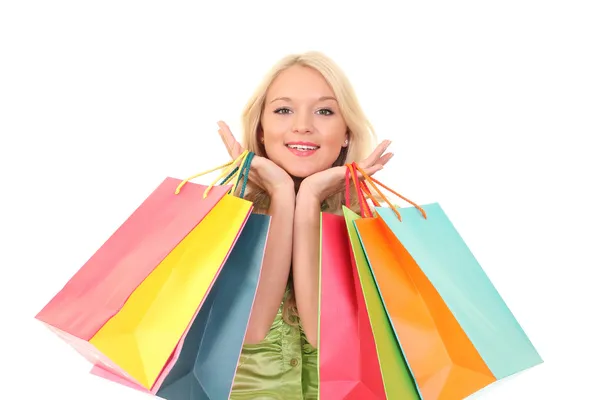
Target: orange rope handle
373 183
399 195
368 179
361 195
365 188
365 211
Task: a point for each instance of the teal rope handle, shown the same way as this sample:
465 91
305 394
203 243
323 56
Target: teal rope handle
245 172
228 176
243 167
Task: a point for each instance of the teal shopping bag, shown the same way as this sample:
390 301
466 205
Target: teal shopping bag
204 363
447 262
206 366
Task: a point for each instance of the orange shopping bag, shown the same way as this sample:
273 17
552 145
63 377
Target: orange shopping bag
443 361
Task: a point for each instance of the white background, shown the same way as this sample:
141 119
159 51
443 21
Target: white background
493 109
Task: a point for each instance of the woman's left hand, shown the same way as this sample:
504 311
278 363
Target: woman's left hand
331 181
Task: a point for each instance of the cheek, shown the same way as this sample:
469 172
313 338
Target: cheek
274 129
334 135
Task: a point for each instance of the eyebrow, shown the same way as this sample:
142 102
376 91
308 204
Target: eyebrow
323 98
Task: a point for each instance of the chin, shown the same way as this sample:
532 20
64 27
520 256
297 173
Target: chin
302 172
305 166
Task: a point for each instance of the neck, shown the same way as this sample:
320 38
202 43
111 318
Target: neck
297 182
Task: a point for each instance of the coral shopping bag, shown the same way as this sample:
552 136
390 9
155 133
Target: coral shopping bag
348 362
130 304
443 351
206 364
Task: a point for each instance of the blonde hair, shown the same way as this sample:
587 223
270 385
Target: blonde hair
361 136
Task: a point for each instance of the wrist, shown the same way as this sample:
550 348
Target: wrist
308 209
282 189
308 194
281 198
307 199
279 185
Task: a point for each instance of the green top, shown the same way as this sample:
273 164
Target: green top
284 366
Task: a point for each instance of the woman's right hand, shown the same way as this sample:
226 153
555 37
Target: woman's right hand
263 172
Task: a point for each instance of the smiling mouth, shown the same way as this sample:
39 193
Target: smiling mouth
302 147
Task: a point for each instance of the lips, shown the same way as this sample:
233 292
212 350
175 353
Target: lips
302 149
303 146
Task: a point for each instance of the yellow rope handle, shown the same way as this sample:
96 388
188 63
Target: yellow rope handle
234 177
231 164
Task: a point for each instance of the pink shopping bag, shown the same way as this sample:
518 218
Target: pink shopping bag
348 362
100 288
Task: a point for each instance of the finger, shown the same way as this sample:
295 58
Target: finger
384 159
224 138
233 147
227 136
370 171
376 154
225 143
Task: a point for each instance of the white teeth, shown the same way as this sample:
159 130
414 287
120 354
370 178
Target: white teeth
301 148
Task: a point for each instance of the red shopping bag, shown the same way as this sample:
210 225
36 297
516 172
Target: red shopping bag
348 362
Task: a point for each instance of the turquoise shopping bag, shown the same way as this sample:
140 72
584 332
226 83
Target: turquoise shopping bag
206 366
445 259
203 365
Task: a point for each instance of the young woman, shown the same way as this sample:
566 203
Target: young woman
304 123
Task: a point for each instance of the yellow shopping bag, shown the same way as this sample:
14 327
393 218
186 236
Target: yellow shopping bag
140 339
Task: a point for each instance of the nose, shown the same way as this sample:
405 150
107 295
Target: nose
303 122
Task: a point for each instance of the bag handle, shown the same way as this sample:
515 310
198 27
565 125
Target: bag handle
243 171
374 182
365 188
228 173
365 211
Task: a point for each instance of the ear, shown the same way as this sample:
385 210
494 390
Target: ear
347 140
260 134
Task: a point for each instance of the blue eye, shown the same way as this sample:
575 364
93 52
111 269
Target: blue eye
282 110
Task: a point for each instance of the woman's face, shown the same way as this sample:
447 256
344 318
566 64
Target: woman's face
303 129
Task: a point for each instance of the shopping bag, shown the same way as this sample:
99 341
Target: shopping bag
205 365
443 354
397 377
348 363
445 260
114 310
